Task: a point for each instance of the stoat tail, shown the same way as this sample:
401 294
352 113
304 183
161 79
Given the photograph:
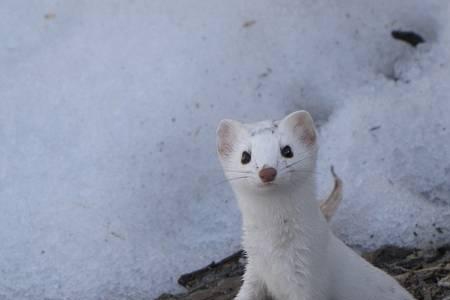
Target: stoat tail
330 205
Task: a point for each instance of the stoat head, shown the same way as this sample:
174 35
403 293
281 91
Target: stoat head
269 154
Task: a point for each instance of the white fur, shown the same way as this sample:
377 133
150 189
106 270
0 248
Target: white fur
292 254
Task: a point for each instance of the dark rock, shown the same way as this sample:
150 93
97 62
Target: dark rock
409 37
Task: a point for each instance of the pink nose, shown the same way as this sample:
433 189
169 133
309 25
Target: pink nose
267 174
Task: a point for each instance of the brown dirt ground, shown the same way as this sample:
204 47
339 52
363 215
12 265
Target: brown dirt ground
426 274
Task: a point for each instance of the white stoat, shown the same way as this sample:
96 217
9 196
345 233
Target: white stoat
292 254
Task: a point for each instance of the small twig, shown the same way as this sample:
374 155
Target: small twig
431 269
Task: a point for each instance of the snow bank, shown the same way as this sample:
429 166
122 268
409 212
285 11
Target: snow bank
109 182
390 143
397 177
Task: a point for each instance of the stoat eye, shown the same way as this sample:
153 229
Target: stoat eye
246 157
286 151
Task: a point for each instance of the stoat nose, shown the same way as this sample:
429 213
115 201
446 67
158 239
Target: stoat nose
267 174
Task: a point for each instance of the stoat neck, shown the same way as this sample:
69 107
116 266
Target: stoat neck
275 211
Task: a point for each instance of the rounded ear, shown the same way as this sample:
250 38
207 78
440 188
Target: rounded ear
227 134
302 125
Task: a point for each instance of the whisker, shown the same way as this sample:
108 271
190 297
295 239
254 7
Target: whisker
305 172
221 170
296 162
237 171
232 179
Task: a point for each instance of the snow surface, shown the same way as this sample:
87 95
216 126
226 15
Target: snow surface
109 183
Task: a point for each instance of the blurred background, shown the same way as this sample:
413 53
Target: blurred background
109 183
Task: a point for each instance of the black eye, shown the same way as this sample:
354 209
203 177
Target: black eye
286 151
246 158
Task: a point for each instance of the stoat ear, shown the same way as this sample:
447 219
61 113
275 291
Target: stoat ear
227 134
302 125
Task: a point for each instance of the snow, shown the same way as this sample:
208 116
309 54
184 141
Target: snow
397 176
109 183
